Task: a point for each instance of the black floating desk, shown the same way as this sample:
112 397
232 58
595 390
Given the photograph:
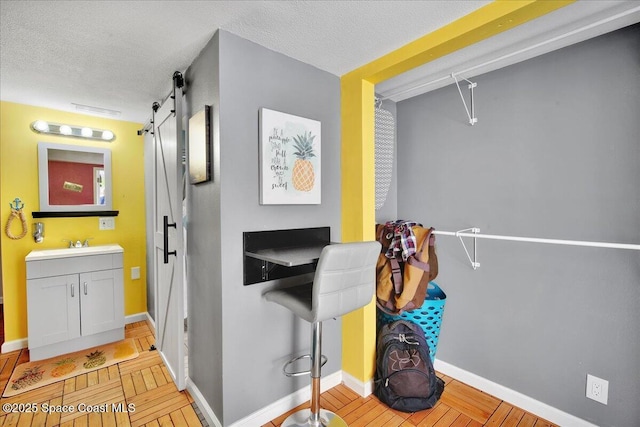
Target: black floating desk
276 254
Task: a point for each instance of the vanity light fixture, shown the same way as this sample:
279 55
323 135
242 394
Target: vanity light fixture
40 126
65 130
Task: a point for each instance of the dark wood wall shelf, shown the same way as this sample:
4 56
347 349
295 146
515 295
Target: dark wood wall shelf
68 214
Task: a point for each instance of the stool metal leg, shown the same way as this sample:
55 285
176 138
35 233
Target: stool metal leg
316 353
315 417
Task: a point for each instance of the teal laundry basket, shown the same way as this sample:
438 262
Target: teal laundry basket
429 316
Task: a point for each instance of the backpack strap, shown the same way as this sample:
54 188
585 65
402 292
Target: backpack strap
414 260
396 272
382 237
433 258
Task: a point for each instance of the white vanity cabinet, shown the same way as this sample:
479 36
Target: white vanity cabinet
75 299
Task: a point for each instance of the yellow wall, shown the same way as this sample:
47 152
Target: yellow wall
19 178
358 86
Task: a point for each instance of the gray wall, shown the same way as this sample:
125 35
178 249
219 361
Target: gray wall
237 341
204 251
555 154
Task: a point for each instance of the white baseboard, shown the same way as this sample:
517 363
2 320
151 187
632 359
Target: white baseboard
363 389
14 345
279 407
138 317
152 323
21 343
204 407
274 410
513 397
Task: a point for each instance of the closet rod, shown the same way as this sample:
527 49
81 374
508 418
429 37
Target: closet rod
538 240
475 234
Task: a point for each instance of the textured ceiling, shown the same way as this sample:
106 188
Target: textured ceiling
120 55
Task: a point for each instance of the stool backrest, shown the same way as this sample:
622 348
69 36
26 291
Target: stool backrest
345 278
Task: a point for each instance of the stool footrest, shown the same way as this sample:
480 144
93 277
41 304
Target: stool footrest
299 373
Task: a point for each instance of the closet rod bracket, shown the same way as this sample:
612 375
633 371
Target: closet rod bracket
474 262
470 114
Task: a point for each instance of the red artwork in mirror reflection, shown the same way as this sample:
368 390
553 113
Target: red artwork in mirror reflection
71 183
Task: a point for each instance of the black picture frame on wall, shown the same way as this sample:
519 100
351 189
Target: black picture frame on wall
200 146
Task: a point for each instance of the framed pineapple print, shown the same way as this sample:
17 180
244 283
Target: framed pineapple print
289 149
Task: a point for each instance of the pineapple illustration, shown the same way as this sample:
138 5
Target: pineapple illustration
29 377
303 175
64 367
95 359
123 350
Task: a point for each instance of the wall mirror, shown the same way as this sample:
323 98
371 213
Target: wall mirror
74 178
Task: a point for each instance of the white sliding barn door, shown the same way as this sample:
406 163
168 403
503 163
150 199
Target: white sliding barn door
168 236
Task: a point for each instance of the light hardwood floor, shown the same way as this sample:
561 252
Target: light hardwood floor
459 406
145 383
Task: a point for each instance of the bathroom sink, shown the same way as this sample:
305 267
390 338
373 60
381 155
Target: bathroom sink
73 252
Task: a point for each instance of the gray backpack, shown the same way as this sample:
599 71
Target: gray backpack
405 379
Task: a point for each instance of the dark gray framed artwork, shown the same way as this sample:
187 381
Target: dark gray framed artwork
200 146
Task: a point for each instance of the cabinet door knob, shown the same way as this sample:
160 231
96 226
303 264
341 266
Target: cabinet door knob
72 290
85 288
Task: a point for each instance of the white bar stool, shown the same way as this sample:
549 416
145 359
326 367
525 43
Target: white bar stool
344 281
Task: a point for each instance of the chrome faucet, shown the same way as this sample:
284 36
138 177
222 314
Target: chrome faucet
78 243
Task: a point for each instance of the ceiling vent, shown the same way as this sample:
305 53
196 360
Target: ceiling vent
96 110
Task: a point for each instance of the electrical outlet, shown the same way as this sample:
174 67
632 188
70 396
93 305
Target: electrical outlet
597 389
108 223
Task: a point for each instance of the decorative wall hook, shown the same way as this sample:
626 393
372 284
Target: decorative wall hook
17 204
16 212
